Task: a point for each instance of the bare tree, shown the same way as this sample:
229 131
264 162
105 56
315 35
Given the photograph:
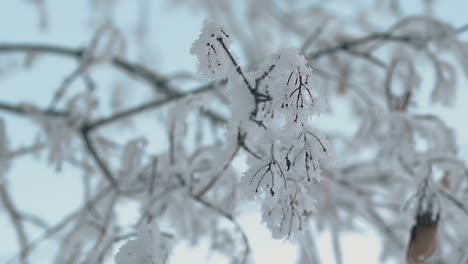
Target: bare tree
399 170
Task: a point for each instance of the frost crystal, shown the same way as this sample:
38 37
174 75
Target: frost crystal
150 247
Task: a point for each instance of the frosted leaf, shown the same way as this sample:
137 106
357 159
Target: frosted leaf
251 189
278 180
150 247
286 214
266 176
300 153
291 89
211 51
305 156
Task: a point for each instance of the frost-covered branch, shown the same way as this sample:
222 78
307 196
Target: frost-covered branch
384 37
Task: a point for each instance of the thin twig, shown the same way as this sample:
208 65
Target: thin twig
92 150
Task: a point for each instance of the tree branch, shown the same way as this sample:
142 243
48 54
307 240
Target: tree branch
16 221
155 80
23 110
92 150
150 105
380 36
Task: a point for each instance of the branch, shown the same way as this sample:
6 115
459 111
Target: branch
348 45
85 130
22 110
92 150
155 80
379 36
236 65
136 70
88 127
15 219
150 105
33 219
